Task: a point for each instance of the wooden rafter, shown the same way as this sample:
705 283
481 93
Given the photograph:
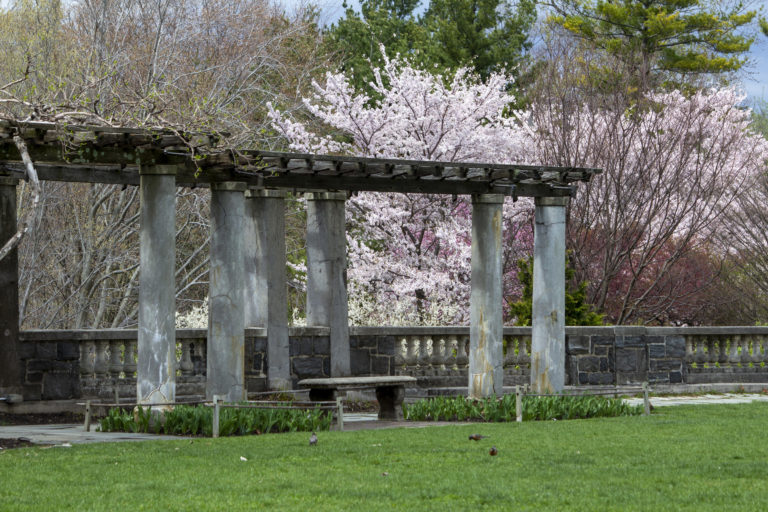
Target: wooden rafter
114 155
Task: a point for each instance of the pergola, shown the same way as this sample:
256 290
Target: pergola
247 259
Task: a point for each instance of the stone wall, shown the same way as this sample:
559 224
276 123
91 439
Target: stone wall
51 370
623 355
310 356
666 355
60 365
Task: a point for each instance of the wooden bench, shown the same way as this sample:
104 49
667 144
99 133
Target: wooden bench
390 391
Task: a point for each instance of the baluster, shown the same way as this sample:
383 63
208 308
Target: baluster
722 346
712 353
115 364
700 356
689 353
87 350
764 349
412 354
509 355
100 363
733 350
757 353
744 351
424 356
524 352
202 351
185 364
441 350
462 353
452 352
129 361
400 349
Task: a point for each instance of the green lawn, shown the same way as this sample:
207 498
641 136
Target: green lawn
706 457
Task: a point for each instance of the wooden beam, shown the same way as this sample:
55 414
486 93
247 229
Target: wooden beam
114 155
115 175
413 186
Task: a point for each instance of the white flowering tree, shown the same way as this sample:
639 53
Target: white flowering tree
409 255
639 233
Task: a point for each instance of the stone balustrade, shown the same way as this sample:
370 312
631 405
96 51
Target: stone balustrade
717 354
439 356
91 363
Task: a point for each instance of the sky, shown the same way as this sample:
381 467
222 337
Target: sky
754 83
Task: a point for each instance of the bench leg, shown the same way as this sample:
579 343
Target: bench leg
322 395
390 402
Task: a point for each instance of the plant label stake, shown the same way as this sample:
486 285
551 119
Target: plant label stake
215 426
646 403
340 413
87 416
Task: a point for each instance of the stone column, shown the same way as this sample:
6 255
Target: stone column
486 372
156 369
548 317
326 274
226 314
266 302
11 376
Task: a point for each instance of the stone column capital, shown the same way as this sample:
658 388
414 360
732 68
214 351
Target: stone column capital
265 193
550 201
229 186
326 196
157 170
487 198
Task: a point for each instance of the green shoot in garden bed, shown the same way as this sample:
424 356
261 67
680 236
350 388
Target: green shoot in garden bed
491 409
198 421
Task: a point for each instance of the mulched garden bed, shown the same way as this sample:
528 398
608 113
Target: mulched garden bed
6 444
32 419
39 419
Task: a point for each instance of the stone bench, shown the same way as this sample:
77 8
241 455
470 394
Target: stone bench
390 391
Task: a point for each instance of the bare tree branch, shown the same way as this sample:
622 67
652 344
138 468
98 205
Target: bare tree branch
34 183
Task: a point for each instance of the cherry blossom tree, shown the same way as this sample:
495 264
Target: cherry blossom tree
410 254
673 164
672 168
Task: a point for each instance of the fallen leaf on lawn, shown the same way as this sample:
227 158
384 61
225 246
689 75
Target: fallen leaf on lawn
385 474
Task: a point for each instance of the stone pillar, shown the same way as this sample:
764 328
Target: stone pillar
326 274
486 372
11 375
266 302
548 317
156 369
226 314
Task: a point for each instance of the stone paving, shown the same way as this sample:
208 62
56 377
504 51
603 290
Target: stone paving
725 398
72 434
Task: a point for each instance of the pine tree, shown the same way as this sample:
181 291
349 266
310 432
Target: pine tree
577 310
484 35
662 40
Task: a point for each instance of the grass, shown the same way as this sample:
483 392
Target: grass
706 457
